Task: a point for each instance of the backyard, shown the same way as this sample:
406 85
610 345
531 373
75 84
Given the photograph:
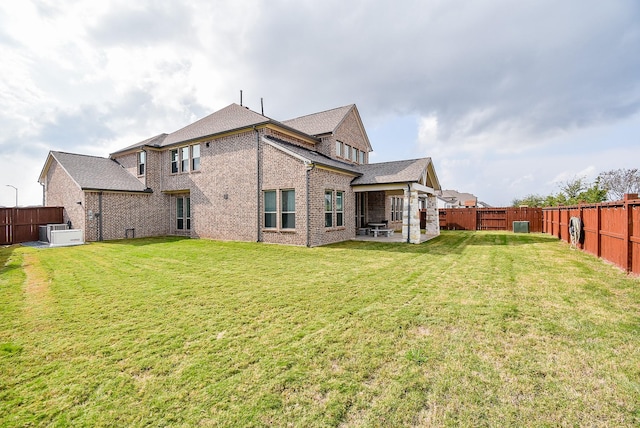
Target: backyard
471 328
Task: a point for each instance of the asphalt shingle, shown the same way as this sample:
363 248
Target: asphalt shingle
403 171
229 118
96 173
319 123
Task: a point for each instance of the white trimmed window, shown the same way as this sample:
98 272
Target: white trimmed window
339 208
174 161
183 213
270 209
328 208
339 148
142 161
195 157
362 157
397 204
288 206
185 159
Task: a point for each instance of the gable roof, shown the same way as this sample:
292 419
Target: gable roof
153 142
324 122
228 119
404 171
311 155
94 173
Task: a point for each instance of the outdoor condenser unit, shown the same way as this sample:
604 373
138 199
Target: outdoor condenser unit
44 232
520 227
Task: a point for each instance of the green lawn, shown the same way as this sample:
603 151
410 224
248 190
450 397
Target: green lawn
472 329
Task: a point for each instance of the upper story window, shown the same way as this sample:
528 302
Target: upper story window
347 151
195 157
339 148
185 159
174 161
142 160
361 160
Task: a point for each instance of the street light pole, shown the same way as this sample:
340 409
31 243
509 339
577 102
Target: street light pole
16 189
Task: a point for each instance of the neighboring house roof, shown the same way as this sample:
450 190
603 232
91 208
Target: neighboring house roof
311 155
94 173
461 199
403 171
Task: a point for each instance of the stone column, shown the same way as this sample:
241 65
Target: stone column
411 217
433 216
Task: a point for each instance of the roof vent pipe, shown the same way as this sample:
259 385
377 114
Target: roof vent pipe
241 97
262 106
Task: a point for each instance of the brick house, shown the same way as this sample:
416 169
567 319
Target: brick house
239 175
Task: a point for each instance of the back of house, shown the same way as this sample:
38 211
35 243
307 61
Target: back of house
239 175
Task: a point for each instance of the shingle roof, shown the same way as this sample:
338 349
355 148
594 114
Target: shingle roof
96 173
392 172
153 142
313 156
229 118
320 123
404 171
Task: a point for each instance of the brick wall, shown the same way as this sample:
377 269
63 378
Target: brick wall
62 191
349 132
224 191
281 171
377 207
321 180
122 211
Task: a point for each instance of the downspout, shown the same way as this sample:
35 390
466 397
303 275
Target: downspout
146 167
408 213
309 167
100 216
258 186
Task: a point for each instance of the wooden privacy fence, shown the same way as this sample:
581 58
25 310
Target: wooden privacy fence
489 218
22 224
610 230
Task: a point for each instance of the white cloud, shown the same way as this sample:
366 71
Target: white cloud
495 92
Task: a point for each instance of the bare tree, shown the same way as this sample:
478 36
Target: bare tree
620 181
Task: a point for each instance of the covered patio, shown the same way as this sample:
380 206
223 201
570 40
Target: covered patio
396 238
394 193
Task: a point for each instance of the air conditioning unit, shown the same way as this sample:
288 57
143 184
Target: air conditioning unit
44 232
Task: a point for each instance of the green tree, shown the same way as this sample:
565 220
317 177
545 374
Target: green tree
572 192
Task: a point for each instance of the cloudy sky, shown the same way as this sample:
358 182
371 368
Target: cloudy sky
508 97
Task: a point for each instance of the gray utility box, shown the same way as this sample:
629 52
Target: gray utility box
520 227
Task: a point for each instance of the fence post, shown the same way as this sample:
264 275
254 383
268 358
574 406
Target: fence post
598 229
628 230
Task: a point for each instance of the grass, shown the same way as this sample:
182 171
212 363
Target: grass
472 329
